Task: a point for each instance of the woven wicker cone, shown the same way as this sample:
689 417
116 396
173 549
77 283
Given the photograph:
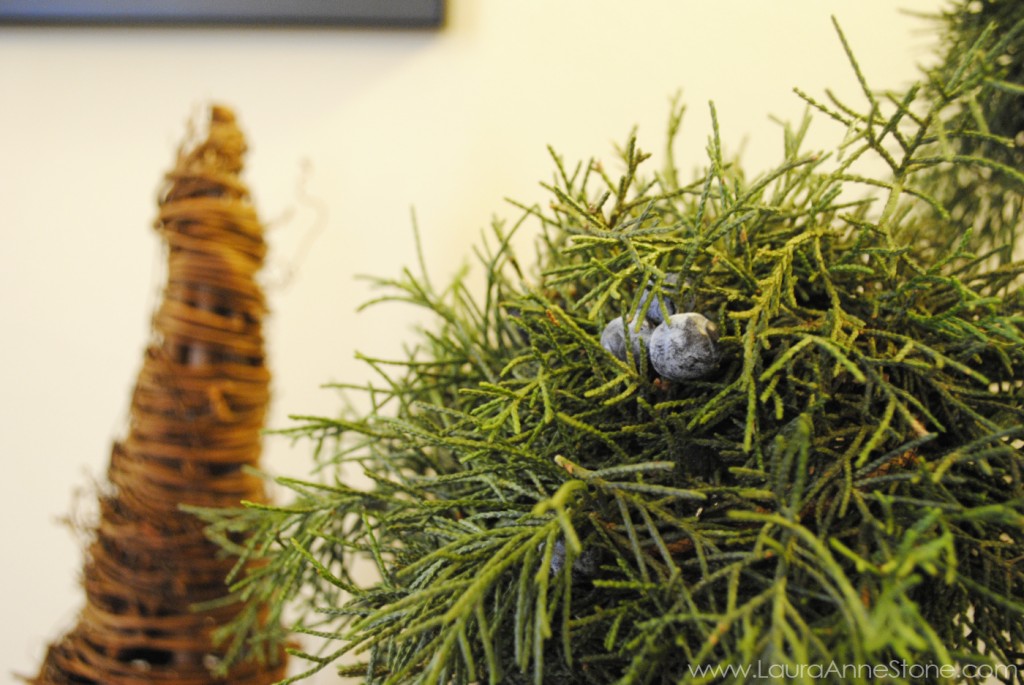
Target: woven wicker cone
196 416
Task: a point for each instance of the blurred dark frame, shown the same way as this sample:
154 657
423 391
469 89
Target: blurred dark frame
368 13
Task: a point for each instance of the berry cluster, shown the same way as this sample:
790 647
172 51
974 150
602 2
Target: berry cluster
682 347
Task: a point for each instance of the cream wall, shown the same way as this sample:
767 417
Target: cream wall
368 124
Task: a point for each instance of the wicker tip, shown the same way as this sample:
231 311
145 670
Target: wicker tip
222 114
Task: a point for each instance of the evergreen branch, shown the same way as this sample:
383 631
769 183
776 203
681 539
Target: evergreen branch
543 511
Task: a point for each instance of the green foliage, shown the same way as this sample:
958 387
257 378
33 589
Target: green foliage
989 122
847 488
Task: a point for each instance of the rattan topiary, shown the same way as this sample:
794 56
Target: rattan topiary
196 417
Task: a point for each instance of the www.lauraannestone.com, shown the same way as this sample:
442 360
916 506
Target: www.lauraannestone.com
831 671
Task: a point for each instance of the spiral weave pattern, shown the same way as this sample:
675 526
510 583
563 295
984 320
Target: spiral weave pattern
196 416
